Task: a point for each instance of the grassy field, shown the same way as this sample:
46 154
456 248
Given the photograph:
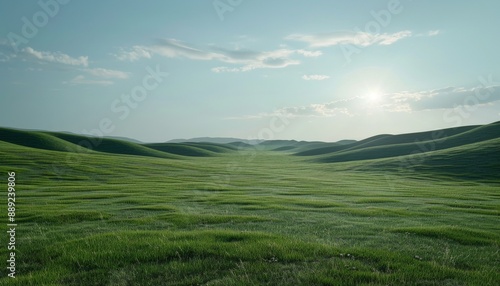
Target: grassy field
222 216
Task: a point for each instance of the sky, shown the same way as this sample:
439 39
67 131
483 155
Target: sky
305 70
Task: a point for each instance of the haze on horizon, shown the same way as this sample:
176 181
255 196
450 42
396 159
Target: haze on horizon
316 71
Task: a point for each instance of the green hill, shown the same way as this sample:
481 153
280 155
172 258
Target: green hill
274 144
214 147
284 148
478 161
180 149
68 142
38 140
289 145
113 146
319 145
428 218
334 147
412 137
376 147
384 139
392 149
239 145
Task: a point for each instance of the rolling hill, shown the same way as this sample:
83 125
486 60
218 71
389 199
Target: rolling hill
217 140
181 149
37 140
384 146
299 146
469 152
68 142
461 150
113 146
475 161
430 217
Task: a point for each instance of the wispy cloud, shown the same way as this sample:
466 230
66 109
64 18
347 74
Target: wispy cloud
80 79
173 48
241 59
349 37
329 109
107 73
133 54
227 69
433 33
430 33
315 77
57 57
438 99
244 60
99 76
249 60
444 98
309 54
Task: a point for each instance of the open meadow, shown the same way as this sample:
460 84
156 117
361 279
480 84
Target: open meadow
262 215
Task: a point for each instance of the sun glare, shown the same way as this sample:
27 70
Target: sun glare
373 96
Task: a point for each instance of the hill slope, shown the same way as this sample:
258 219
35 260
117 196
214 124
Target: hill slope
68 142
180 149
369 149
477 161
38 140
113 146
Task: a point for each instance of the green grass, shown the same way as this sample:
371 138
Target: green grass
244 218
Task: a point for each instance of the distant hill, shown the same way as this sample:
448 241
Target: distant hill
469 150
239 145
385 140
113 146
298 146
218 140
192 149
475 161
69 142
124 139
385 146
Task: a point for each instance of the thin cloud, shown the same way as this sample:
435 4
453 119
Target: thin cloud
444 98
57 57
315 77
329 109
244 60
226 69
310 54
80 79
173 48
98 76
349 37
107 73
433 33
134 54
438 99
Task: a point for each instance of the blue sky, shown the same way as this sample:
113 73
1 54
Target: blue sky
305 70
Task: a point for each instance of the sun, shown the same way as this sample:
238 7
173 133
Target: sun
373 96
